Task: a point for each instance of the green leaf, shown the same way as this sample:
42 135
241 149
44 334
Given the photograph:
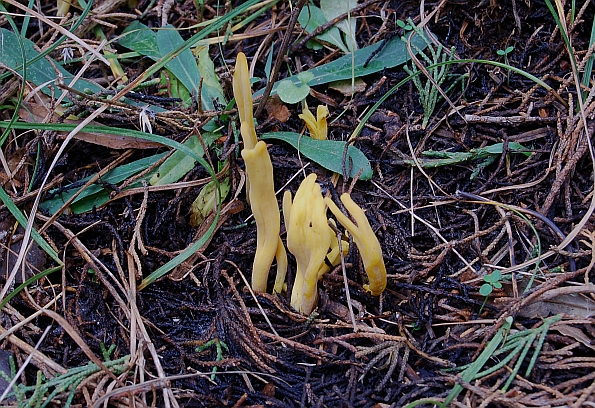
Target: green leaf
156 45
394 53
485 289
290 92
443 158
41 71
305 77
497 285
205 202
175 87
96 195
268 66
488 161
311 17
334 8
405 26
178 164
314 45
211 87
493 277
327 153
183 66
138 37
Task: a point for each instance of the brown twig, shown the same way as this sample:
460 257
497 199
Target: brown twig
280 55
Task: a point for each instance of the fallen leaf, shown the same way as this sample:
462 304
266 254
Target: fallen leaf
37 109
575 305
277 110
575 333
345 87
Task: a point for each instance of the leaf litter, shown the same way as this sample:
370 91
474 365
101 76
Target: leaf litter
148 299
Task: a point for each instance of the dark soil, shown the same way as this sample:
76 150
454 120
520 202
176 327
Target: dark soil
431 316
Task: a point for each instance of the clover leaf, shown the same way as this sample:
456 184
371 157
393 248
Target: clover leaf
290 92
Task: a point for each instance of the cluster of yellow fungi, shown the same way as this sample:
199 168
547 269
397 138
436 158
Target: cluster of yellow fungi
310 238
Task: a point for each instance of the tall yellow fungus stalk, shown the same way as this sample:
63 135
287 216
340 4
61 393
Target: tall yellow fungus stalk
260 186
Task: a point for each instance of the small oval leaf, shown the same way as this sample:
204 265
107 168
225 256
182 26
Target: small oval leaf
292 93
485 289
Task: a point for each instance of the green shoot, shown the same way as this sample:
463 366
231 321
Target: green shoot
504 53
41 393
492 282
428 93
406 26
589 64
219 347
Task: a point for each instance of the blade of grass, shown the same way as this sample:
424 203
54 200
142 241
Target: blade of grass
476 366
26 20
20 217
29 281
589 64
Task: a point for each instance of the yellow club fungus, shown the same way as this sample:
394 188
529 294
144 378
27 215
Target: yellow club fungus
243 94
366 242
316 126
308 239
261 191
